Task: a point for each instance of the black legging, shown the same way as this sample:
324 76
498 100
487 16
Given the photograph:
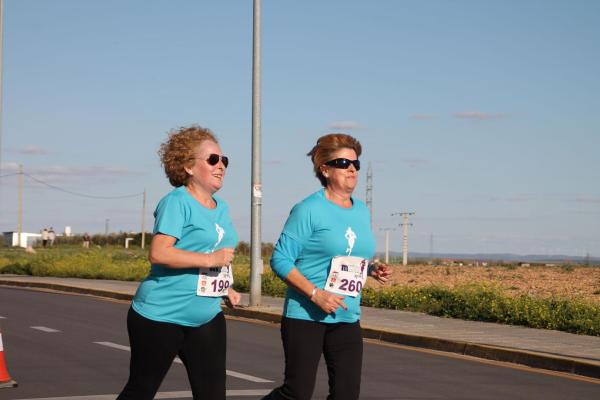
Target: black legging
304 342
154 346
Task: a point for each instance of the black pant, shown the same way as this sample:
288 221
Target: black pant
303 342
154 346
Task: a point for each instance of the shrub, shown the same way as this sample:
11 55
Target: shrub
471 302
487 303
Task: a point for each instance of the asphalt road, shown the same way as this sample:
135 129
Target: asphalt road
59 345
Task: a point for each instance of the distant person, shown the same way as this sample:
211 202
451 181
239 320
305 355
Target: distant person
45 237
323 255
177 308
51 236
86 241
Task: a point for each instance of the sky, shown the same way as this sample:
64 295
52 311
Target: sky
482 118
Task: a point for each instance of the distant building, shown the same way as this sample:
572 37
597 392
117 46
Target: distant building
27 239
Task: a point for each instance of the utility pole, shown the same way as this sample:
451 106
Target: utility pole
405 224
144 220
256 261
106 227
1 70
587 259
431 247
369 195
20 214
387 242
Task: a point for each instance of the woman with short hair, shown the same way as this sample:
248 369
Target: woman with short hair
323 255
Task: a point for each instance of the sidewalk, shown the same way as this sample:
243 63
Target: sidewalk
539 348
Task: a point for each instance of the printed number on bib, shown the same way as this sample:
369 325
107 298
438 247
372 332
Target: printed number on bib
347 275
214 282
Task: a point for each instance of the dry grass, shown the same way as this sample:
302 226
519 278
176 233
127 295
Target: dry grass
544 282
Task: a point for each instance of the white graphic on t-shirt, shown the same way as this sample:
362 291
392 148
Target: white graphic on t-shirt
350 237
220 234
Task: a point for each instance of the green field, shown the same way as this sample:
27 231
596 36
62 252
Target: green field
472 302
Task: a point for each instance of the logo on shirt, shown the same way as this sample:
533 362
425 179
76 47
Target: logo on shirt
220 234
351 238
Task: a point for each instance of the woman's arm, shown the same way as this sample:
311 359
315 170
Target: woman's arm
163 252
380 271
328 302
285 254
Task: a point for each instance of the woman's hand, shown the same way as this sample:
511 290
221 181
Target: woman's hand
380 271
222 257
328 302
233 298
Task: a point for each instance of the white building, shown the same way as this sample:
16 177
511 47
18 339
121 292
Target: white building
27 239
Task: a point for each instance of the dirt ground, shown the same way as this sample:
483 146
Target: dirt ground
538 281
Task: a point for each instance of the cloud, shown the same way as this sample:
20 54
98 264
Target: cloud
422 117
344 125
33 150
513 199
595 200
477 219
478 115
415 162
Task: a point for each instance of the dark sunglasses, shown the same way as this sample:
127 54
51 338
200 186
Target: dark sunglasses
213 159
343 163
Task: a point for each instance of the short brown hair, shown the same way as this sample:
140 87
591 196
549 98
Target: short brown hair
326 146
178 151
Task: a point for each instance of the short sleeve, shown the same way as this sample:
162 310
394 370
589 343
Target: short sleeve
169 217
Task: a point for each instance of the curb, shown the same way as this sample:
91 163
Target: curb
515 356
68 289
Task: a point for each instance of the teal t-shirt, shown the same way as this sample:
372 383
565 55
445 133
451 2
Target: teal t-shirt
316 231
169 294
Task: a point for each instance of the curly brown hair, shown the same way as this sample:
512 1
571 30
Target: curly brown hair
178 151
326 146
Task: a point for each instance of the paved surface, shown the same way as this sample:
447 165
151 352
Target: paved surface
72 347
539 348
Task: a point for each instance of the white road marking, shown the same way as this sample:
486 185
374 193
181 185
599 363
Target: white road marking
1 317
44 329
114 345
178 361
247 377
160 395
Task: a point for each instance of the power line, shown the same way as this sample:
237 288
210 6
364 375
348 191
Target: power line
14 173
80 194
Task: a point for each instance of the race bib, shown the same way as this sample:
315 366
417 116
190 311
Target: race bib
347 275
214 282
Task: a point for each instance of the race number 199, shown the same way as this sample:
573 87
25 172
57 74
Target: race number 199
214 282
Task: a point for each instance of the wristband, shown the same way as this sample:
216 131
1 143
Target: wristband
312 294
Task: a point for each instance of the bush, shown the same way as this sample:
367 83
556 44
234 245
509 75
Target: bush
472 302
486 303
105 263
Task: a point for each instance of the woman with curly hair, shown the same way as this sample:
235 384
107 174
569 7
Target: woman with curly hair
176 310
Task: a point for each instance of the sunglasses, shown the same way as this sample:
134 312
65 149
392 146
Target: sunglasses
213 159
343 163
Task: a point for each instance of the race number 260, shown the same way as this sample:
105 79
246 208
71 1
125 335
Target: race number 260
351 285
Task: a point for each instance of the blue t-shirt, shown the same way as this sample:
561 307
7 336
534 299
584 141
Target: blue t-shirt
316 231
169 294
